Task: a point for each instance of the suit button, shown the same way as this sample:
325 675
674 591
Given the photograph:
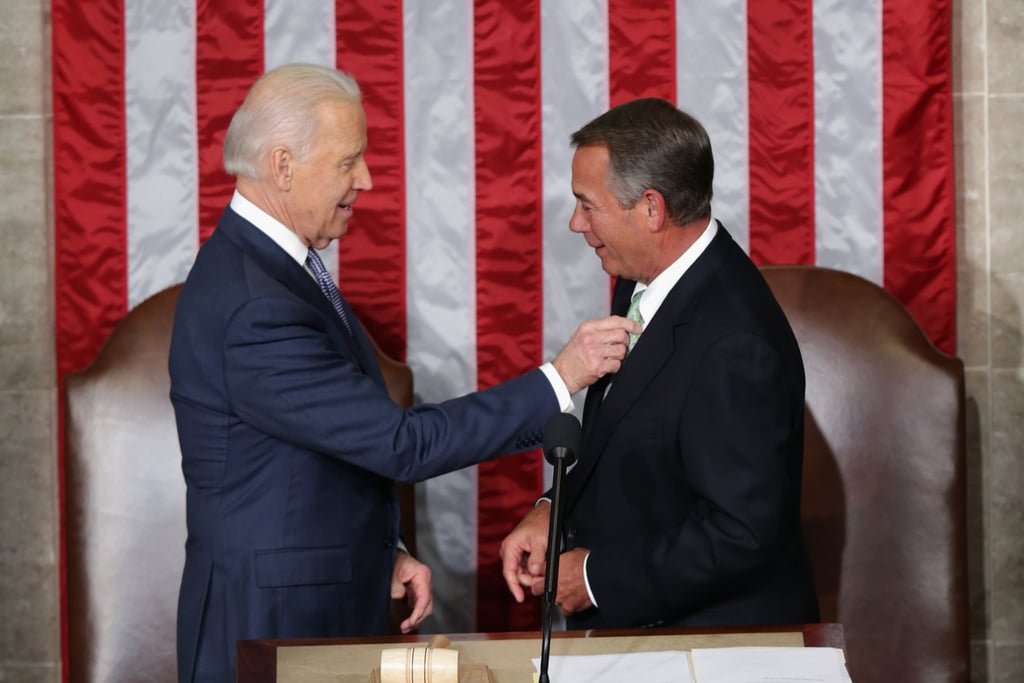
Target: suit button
388 543
571 534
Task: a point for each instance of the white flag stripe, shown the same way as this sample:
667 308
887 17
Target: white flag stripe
299 32
574 82
302 32
440 279
160 138
848 136
711 83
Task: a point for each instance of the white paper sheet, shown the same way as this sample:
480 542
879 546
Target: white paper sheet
769 665
668 666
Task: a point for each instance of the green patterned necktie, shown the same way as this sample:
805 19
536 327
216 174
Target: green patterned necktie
634 314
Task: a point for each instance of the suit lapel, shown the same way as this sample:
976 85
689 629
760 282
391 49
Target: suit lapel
278 264
603 413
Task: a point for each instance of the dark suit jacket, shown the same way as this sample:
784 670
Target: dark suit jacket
290 445
687 492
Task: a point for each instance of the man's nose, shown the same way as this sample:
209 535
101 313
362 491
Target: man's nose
577 223
364 181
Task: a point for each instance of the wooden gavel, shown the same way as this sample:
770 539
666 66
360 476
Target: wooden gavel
432 663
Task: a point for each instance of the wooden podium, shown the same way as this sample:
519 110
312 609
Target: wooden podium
508 655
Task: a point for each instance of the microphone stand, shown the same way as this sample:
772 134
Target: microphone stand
560 457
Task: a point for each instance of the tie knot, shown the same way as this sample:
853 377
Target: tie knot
634 308
314 263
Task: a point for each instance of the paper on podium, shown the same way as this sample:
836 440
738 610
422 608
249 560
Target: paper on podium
769 664
667 666
709 665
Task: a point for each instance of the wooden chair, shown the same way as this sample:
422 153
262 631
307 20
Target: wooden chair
884 492
125 501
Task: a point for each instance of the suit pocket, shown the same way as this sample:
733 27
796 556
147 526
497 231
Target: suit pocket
303 567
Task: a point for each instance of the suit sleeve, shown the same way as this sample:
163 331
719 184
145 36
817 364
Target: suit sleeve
290 376
734 442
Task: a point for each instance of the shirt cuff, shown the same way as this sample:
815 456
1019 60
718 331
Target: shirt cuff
565 403
586 581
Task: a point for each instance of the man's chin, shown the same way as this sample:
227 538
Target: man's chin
322 242
607 265
333 235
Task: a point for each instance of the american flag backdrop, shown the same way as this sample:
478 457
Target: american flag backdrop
830 121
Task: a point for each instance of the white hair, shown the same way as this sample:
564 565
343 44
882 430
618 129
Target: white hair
280 109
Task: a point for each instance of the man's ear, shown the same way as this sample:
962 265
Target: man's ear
652 203
281 167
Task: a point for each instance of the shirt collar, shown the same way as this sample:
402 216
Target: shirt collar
271 227
654 293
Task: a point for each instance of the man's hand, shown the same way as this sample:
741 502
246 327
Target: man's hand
571 594
524 551
596 348
411 580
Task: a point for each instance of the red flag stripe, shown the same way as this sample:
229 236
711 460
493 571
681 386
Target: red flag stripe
90 204
89 180
641 55
229 59
507 95
372 254
641 50
917 133
781 134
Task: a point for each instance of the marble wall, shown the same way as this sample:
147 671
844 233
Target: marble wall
29 575
989 121
989 124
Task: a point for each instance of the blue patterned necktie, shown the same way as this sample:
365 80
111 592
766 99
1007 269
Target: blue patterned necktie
327 286
634 314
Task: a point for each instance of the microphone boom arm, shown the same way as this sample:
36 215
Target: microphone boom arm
564 433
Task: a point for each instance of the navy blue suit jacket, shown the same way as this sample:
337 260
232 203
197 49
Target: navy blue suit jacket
687 491
290 445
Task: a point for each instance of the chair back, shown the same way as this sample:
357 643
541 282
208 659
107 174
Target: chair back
125 505
125 501
884 491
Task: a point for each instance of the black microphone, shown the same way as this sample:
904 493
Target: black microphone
562 437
